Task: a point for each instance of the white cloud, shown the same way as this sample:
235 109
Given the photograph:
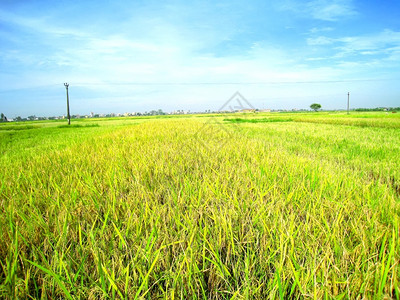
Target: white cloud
383 45
39 25
326 10
331 10
382 41
321 29
318 41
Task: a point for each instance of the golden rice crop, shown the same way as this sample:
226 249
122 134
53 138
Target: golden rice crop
200 208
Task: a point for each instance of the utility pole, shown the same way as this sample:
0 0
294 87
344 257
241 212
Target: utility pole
348 103
69 118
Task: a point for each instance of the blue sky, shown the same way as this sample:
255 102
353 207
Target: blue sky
127 56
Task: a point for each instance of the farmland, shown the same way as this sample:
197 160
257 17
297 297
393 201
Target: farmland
240 206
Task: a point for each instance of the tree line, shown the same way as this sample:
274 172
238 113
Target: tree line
379 109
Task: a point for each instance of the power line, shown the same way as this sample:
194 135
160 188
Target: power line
133 83
38 87
226 83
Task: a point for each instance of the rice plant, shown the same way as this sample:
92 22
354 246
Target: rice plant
161 208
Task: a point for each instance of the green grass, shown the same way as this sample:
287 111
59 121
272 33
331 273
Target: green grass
381 120
19 127
258 120
78 125
220 207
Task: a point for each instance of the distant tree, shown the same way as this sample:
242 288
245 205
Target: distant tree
315 106
18 119
3 118
31 118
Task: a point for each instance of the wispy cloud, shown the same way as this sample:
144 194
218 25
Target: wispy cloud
319 41
315 30
326 10
383 46
384 41
329 10
38 25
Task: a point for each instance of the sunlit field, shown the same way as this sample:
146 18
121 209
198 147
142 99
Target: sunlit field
239 206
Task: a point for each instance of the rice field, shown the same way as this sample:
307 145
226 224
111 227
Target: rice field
240 206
